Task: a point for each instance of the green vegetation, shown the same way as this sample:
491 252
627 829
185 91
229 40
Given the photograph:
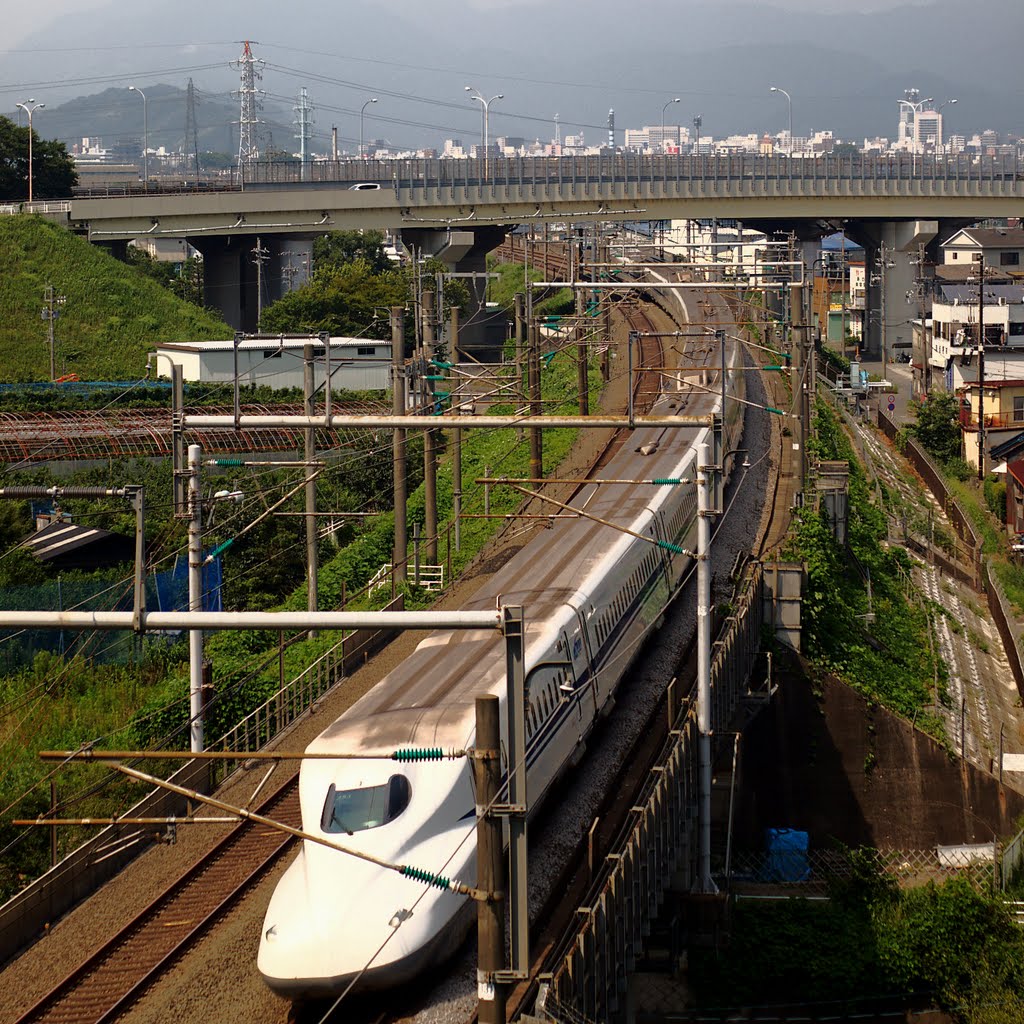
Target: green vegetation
887 657
53 171
512 279
113 315
937 426
947 943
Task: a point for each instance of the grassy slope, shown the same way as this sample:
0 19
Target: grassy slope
112 318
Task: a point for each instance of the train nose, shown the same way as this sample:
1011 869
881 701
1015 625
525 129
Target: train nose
316 938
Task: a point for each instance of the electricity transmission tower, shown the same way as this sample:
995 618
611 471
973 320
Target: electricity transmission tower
191 145
250 104
304 122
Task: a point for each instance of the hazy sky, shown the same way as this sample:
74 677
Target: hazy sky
20 18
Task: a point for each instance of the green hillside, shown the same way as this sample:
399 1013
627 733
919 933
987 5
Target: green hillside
113 315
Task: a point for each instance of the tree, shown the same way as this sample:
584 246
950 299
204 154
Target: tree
938 425
337 248
347 301
53 171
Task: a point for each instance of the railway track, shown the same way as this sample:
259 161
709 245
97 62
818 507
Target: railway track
109 980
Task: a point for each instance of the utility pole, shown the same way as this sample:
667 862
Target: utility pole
50 313
520 324
490 861
195 597
981 368
704 725
399 556
334 143
582 383
309 454
429 436
536 437
457 433
799 373
259 257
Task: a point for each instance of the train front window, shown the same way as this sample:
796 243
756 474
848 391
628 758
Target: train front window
355 810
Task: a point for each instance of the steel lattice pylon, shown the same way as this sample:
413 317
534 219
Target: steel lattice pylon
250 104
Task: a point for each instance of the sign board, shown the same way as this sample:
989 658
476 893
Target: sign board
1013 762
892 407
890 398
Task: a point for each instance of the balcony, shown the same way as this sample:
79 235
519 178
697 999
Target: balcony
997 421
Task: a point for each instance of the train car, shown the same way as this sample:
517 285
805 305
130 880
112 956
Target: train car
591 593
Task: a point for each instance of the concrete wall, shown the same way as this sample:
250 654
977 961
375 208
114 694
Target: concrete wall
844 769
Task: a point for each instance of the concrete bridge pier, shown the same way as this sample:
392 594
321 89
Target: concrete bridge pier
231 273
463 251
889 249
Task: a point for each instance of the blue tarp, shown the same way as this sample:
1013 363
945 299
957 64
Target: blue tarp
786 856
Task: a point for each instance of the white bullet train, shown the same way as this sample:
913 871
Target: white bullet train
590 594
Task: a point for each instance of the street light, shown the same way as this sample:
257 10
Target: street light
145 133
478 95
362 113
29 106
789 100
938 110
663 109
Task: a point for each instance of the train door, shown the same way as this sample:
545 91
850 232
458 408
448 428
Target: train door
570 680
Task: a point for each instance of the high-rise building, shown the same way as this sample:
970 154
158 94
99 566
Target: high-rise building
927 130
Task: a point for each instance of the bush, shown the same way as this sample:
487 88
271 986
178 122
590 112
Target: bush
995 497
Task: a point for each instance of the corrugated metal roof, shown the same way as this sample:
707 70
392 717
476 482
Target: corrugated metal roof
59 538
273 344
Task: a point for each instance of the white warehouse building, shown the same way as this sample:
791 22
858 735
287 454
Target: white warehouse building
357 364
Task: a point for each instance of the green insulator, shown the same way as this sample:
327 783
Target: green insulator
221 548
667 480
427 877
229 462
669 546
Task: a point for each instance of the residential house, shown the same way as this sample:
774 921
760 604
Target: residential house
1002 248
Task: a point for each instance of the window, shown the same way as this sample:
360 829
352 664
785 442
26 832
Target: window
1018 408
362 351
272 353
1009 259
355 810
1016 327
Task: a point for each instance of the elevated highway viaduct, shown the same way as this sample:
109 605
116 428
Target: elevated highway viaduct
460 209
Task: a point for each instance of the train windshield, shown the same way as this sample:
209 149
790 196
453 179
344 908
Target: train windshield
355 810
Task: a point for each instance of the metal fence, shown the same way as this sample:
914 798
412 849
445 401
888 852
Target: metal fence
814 872
659 848
1012 861
899 174
298 695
